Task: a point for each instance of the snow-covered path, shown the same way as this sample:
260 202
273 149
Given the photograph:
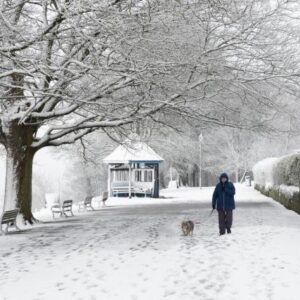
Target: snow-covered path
137 252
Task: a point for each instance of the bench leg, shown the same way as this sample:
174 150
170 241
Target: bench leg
82 208
60 215
3 231
89 206
66 214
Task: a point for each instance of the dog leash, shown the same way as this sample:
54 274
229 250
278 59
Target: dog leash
201 223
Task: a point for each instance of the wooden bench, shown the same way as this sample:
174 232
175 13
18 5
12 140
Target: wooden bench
86 204
65 209
56 210
10 219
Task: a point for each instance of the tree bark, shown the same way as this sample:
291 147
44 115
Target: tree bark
19 162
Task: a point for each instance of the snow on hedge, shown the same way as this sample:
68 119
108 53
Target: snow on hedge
283 173
288 191
263 172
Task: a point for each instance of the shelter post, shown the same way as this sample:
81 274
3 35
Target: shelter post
129 181
156 181
109 181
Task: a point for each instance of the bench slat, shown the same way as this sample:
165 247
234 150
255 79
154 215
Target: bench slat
67 207
88 200
8 220
9 216
11 212
68 202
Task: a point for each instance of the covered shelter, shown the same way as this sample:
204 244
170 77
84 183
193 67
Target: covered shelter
133 170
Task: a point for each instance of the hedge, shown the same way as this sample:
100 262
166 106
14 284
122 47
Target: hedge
292 203
287 170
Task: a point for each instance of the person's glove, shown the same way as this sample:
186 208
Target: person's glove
213 207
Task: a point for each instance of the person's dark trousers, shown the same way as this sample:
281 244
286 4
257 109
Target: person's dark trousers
225 220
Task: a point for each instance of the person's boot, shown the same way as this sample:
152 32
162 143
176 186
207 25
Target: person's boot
228 230
222 232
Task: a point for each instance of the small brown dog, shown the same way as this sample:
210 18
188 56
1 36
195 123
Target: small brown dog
187 227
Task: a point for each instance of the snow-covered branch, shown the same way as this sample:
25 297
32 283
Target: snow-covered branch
102 65
16 71
40 36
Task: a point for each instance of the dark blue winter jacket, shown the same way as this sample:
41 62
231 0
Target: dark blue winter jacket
223 197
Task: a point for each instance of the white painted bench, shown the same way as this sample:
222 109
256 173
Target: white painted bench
121 190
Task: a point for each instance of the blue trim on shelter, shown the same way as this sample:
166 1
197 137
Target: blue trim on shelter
146 161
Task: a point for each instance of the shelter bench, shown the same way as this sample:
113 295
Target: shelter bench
145 192
10 219
121 190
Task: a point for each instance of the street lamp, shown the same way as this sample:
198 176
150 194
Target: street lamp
200 160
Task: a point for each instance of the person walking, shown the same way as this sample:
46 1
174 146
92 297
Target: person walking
223 201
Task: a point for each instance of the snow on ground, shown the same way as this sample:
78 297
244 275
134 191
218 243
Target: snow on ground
133 249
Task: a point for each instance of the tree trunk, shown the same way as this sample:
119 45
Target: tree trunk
19 161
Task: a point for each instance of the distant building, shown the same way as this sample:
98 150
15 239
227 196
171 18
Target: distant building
133 171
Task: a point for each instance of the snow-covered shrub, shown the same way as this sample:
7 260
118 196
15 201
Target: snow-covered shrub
263 172
287 170
278 171
279 178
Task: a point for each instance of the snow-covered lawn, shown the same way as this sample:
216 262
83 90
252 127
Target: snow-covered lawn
136 251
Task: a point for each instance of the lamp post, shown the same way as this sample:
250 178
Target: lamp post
200 160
